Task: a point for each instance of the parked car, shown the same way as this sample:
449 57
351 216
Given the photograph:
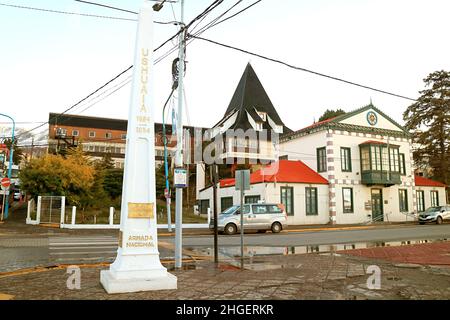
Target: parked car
260 217
435 214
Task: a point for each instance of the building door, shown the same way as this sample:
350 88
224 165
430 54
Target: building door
377 205
204 205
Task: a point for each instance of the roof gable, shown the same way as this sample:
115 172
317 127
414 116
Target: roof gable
250 97
369 116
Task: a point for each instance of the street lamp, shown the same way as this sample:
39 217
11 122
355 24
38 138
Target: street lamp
11 151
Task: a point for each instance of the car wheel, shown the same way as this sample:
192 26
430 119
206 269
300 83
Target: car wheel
230 228
276 227
421 222
439 220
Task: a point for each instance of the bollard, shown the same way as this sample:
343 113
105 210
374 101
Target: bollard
28 212
74 213
63 210
38 212
111 216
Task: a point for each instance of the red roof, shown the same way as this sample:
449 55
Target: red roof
282 171
425 182
373 142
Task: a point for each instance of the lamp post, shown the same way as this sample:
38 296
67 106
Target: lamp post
11 151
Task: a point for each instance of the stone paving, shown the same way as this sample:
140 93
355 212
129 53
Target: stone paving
311 276
437 253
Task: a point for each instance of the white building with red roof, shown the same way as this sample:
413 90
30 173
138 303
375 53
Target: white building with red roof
354 168
292 183
367 158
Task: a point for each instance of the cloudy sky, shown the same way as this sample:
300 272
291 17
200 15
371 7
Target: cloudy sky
49 61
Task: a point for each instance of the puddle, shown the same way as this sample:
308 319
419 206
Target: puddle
232 254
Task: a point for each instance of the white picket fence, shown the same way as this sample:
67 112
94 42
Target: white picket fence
32 207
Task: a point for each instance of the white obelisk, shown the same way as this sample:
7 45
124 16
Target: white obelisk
137 266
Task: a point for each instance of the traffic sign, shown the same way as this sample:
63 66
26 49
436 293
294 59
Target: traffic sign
5 182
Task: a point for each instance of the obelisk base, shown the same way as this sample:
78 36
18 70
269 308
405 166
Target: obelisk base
113 285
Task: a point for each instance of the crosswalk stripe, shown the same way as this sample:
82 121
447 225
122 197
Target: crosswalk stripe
80 243
69 253
83 247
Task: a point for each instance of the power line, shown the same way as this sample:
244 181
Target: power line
79 102
120 9
65 12
206 11
301 69
105 6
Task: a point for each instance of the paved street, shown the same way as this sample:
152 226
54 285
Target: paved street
312 276
311 237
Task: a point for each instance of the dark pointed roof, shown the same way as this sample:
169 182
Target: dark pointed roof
248 96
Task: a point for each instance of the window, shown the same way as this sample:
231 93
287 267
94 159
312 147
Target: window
108 135
263 116
259 126
403 200
61 132
394 160
92 148
272 208
75 133
287 199
376 158
225 203
420 201
347 200
346 160
252 199
434 198
260 209
311 201
402 164
321 160
365 159
123 136
91 134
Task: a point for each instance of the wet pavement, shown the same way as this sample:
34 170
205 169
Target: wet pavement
303 276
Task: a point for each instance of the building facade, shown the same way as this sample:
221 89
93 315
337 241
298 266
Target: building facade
365 160
100 136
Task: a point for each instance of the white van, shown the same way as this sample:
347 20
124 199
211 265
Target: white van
257 216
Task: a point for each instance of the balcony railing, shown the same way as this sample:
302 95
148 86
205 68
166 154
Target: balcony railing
380 178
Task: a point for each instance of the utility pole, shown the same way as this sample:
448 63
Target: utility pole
214 179
179 151
32 147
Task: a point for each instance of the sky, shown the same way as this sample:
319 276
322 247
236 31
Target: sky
50 61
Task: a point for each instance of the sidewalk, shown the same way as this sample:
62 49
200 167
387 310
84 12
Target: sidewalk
304 276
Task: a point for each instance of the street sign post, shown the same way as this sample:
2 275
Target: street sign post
180 178
137 266
5 184
242 184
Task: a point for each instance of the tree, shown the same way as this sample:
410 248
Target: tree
328 114
112 182
429 121
18 152
54 174
106 162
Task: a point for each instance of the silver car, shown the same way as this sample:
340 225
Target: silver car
435 214
260 217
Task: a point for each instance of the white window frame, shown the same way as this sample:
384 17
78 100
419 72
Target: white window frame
90 134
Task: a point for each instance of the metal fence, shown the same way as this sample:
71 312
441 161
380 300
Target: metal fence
51 209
